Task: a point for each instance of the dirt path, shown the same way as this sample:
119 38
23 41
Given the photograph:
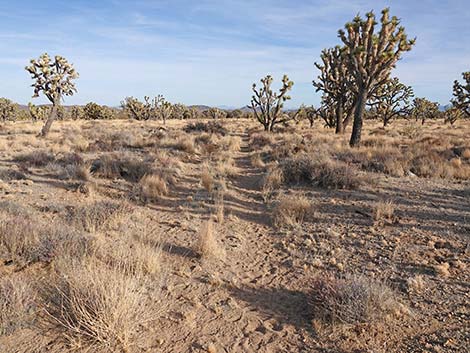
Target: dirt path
248 302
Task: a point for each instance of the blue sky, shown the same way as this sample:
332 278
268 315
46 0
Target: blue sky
210 52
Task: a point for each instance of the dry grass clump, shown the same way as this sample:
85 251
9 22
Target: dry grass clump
212 127
384 211
11 174
415 284
207 178
70 166
225 166
230 143
386 160
130 255
151 187
466 153
37 158
209 247
272 181
292 210
261 139
353 300
185 144
25 239
17 304
97 308
257 161
112 166
96 216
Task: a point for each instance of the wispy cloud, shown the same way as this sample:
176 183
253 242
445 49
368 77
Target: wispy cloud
210 51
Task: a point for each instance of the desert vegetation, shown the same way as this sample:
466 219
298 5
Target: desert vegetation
161 227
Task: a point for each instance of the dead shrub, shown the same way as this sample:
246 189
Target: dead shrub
17 304
292 210
353 300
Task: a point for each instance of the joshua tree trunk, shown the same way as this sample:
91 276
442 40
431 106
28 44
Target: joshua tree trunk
358 116
50 120
339 118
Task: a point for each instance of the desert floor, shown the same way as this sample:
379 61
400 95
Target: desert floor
122 236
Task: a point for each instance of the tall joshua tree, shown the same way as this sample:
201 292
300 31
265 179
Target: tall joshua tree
370 56
54 78
334 81
391 100
462 94
267 105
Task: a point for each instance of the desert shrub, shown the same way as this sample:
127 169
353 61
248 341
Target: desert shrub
292 210
325 173
97 308
212 127
39 158
113 166
97 216
352 300
17 304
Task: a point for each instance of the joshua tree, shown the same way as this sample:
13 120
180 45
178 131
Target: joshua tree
178 110
136 109
327 114
54 78
311 114
452 114
424 109
191 113
370 57
39 112
462 94
334 81
215 113
267 105
162 108
77 112
391 100
93 111
8 109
